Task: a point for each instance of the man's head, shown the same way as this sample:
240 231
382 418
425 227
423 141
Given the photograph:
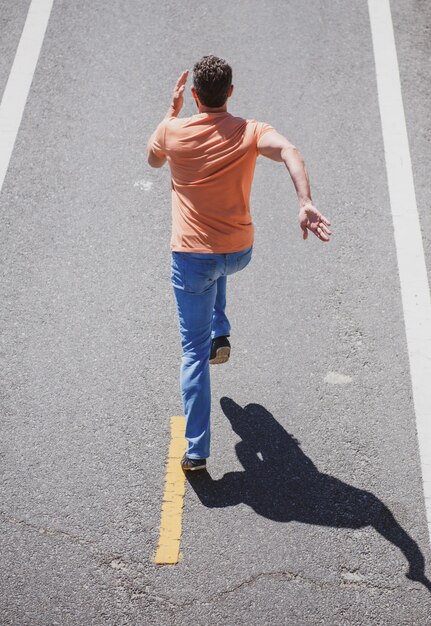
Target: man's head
212 81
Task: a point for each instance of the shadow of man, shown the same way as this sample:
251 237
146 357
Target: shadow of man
281 483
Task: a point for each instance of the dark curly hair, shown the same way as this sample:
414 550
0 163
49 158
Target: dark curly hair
212 78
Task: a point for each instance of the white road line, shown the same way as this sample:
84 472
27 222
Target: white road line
20 79
410 253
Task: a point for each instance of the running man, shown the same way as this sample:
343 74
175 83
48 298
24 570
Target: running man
212 157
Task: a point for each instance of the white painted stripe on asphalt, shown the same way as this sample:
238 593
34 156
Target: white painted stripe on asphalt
20 79
408 239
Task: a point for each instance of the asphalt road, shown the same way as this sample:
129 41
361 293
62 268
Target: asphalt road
319 374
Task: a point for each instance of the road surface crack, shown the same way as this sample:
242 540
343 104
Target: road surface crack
296 577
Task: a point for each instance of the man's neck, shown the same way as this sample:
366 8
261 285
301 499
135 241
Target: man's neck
204 109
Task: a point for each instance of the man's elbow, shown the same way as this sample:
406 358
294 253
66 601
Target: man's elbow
155 161
289 151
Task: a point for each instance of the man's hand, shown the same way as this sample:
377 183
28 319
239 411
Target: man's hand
177 95
310 219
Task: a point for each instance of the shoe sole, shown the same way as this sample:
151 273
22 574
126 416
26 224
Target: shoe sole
222 355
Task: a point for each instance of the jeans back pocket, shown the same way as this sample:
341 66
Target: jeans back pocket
199 273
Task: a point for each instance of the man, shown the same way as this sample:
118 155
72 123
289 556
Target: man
212 156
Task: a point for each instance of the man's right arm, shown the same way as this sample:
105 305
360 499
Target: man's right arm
276 147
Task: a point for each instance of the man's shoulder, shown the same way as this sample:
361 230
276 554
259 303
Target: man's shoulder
183 129
197 119
255 126
176 124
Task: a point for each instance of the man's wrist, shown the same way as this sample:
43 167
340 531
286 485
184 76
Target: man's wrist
304 202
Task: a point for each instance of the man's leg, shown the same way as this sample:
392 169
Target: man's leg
220 322
194 312
195 309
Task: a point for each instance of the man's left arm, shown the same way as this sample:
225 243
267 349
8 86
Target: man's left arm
156 154
276 147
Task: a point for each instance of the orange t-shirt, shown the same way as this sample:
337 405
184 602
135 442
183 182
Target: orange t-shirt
212 157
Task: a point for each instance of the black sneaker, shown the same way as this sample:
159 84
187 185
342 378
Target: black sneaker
220 350
193 464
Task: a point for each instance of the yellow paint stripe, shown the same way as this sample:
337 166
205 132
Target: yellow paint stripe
168 549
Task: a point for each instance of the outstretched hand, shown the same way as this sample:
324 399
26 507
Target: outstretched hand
311 219
177 95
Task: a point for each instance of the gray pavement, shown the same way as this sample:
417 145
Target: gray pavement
90 350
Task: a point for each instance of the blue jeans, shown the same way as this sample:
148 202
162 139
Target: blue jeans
199 283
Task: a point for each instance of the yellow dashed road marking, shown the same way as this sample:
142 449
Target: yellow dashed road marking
168 550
